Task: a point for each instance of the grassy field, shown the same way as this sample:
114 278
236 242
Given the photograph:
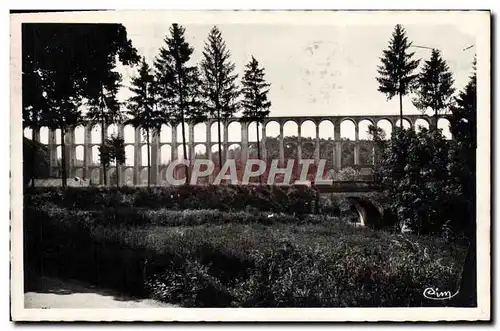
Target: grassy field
238 258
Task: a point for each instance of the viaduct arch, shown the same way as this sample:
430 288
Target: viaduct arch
202 140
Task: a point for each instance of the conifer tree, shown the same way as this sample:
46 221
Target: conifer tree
256 106
434 86
219 88
178 84
396 71
144 113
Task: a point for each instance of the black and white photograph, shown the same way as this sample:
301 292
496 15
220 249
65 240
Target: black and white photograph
173 161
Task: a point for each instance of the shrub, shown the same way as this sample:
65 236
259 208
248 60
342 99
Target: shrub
416 174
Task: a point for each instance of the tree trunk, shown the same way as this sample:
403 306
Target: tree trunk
401 110
184 149
258 150
33 161
117 175
219 139
435 120
103 138
63 158
149 157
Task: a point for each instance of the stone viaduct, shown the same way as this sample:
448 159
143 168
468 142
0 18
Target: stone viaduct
89 167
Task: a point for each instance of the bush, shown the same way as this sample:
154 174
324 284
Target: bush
288 199
416 173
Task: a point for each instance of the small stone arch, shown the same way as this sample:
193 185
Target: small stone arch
272 129
44 135
368 214
407 124
326 129
234 131
363 129
179 132
347 128
95 134
387 126
129 133
79 134
308 129
421 122
200 132
290 128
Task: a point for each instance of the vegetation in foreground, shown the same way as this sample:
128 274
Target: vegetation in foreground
209 258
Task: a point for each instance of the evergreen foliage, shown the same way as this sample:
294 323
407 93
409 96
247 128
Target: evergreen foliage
256 106
220 92
396 71
143 111
435 86
178 83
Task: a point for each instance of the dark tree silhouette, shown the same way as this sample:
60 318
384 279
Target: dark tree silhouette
60 77
178 84
113 151
256 106
34 99
35 161
69 63
463 124
396 71
219 88
435 86
143 112
105 43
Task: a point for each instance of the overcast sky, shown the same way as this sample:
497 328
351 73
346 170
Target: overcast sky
317 70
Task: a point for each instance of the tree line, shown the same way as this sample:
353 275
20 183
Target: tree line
67 66
431 182
432 87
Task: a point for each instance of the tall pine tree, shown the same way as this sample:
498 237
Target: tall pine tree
178 84
219 88
434 86
256 106
144 113
396 71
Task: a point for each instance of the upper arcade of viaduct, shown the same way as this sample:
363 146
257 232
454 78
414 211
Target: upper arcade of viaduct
204 137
